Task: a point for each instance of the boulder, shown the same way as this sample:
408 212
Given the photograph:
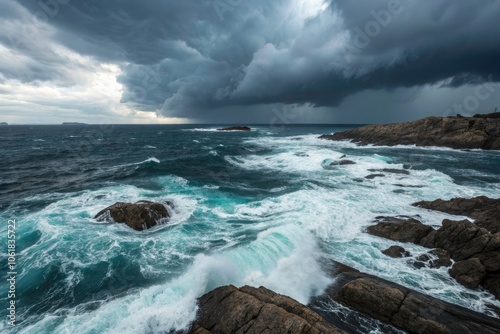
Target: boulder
236 128
485 211
454 132
139 216
469 272
400 229
396 251
252 311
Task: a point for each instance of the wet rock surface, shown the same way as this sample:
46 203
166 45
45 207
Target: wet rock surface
250 310
485 211
139 216
475 249
455 132
401 307
396 251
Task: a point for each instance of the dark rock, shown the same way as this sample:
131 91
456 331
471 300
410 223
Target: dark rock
139 216
485 211
398 229
492 283
343 162
236 128
253 311
454 132
469 273
463 240
396 251
402 307
372 176
486 116
391 170
436 258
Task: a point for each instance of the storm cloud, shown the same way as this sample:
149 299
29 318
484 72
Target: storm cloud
204 59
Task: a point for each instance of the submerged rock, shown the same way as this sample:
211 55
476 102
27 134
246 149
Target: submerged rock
391 170
454 132
343 162
139 216
253 311
236 128
436 258
373 176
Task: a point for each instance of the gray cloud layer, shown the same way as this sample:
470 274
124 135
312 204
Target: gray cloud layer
192 58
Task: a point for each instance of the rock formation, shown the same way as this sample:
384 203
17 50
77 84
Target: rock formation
236 128
404 308
475 249
485 211
454 132
253 311
139 216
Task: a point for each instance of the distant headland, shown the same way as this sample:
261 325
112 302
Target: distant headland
73 123
4 123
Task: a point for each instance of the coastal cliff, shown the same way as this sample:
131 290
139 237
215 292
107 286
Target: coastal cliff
454 132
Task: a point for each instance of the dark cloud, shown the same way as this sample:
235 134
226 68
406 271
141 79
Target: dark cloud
194 58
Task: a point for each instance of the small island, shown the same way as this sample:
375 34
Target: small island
236 128
4 123
73 123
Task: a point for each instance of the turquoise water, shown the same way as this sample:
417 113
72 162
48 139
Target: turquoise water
259 208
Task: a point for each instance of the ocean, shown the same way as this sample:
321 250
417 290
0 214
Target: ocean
262 208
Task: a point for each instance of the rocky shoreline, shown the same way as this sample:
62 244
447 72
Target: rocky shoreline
474 248
478 132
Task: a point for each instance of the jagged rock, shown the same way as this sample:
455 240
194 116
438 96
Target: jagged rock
404 308
236 128
469 272
485 211
396 251
253 311
402 230
462 239
139 216
454 132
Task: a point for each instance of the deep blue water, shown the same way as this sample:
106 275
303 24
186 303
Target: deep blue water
257 208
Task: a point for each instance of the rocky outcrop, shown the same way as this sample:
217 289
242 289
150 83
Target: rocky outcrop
253 311
400 229
402 307
485 211
236 128
396 251
454 132
343 162
462 239
139 216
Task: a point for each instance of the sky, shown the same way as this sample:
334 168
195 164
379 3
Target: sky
247 62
